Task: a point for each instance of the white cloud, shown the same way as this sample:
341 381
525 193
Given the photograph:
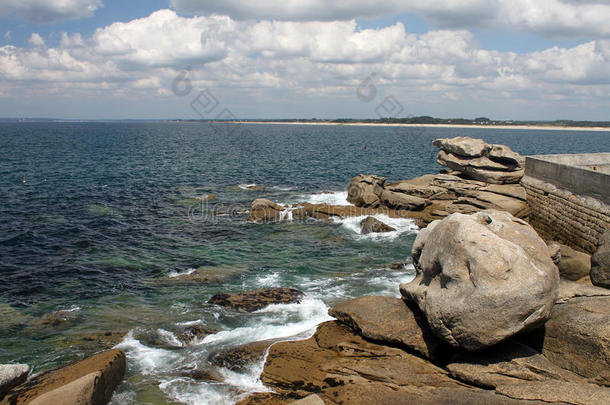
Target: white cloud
550 17
36 40
323 60
46 11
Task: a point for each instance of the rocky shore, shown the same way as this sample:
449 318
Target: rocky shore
486 321
494 315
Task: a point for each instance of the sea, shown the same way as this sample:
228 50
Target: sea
99 219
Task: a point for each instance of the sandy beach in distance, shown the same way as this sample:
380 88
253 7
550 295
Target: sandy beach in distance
364 124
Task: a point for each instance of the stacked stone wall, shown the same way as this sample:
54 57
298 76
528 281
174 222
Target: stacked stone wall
560 215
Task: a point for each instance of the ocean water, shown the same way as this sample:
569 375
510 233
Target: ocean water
97 219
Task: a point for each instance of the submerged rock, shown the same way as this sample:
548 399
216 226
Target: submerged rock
204 275
373 225
195 333
250 301
239 358
263 210
481 278
88 382
600 262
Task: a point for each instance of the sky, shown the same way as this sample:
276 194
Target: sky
193 59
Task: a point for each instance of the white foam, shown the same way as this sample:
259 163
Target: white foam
186 272
282 188
147 360
169 338
246 186
268 280
402 225
332 198
281 321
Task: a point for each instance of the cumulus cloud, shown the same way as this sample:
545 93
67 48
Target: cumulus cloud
549 17
312 58
47 11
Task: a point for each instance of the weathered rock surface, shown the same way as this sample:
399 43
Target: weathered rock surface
402 201
340 367
204 275
482 278
573 265
424 199
12 375
250 301
577 336
89 382
507 363
463 146
335 356
553 391
389 320
496 164
365 190
373 225
600 262
263 210
238 358
195 333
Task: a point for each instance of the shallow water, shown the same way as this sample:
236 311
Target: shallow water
96 217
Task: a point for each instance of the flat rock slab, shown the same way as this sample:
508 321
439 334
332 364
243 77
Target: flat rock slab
388 320
378 394
335 355
250 301
507 363
557 392
97 378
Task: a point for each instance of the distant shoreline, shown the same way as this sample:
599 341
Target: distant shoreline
372 124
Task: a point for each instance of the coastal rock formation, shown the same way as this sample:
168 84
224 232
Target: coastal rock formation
250 301
471 268
388 320
600 262
12 375
238 358
373 225
365 190
573 265
88 382
424 199
507 363
335 356
577 336
195 333
263 210
495 164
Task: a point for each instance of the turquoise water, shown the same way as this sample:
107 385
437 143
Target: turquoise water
96 217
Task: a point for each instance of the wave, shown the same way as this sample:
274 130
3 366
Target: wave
402 226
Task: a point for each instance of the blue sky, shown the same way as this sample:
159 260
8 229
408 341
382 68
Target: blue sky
519 59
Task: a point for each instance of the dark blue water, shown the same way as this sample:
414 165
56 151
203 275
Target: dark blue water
91 214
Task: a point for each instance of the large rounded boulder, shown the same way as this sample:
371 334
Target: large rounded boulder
482 278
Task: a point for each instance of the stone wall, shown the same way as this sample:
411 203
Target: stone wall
560 215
